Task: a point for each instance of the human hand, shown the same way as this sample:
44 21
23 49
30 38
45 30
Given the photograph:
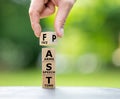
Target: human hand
43 8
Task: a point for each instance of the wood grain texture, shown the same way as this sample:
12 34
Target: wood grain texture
48 68
48 80
48 54
48 39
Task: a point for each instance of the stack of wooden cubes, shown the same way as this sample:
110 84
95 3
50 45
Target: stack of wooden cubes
48 59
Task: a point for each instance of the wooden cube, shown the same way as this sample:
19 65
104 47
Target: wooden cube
48 54
48 80
48 38
48 67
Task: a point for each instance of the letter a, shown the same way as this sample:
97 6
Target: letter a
49 53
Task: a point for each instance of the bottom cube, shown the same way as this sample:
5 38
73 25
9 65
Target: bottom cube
48 80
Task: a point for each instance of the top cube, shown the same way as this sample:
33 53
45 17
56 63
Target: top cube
48 38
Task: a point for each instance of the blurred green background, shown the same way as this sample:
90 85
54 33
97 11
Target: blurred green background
87 55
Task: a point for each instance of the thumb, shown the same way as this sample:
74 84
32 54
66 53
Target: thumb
64 7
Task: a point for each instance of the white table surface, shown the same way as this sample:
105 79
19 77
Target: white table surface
59 93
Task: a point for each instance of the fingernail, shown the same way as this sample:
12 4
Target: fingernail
62 32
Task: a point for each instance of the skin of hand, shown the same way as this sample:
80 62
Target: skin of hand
43 8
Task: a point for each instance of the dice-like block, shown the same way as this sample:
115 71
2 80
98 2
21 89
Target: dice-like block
48 80
48 38
48 67
48 54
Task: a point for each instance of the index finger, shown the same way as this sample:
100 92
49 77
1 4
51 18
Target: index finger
64 8
36 7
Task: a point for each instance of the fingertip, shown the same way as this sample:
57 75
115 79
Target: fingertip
60 33
37 30
37 34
